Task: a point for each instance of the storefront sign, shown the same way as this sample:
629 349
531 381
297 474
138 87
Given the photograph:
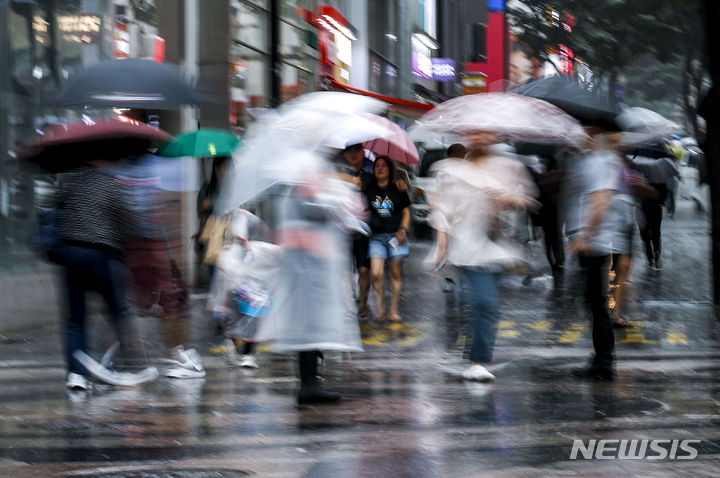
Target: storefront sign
443 69
79 28
422 64
474 83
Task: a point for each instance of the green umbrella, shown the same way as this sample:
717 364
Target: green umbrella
203 143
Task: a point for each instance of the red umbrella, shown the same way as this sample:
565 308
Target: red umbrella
397 145
63 147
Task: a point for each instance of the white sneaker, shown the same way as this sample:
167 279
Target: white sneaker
187 364
248 361
478 373
122 379
75 381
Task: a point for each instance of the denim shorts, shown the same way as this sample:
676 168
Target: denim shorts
380 247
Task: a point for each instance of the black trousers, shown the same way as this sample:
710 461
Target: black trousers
595 269
650 230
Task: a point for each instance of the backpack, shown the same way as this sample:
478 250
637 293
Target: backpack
47 240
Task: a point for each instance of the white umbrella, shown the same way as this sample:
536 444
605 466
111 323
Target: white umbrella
296 143
506 114
643 120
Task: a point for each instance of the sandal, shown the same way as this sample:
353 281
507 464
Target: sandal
395 317
364 312
620 323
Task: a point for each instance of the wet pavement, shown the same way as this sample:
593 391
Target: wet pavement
406 412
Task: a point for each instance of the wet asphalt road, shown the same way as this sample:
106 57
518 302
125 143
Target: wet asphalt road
406 412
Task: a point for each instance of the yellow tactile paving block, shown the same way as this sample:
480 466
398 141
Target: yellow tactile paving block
507 324
570 337
540 325
677 338
509 334
636 338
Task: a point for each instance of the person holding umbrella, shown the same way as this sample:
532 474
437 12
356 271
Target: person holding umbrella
470 195
94 224
389 222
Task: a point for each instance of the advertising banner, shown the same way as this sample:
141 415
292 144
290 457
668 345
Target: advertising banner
443 69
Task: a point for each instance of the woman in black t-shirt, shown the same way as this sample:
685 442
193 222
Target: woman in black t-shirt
390 219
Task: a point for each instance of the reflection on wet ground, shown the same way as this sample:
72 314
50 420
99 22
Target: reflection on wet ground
406 412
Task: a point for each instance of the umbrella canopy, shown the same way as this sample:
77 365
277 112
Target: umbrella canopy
131 83
296 142
656 171
643 120
203 143
64 147
397 145
641 125
507 114
569 96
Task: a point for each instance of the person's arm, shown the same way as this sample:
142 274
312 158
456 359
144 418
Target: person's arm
599 202
440 249
401 233
348 178
403 181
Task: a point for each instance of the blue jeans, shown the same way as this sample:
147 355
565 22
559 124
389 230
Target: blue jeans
482 292
88 269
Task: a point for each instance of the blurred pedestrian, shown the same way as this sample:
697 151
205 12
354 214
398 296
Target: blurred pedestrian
470 195
154 256
353 171
389 222
94 226
311 310
650 223
597 225
209 239
243 283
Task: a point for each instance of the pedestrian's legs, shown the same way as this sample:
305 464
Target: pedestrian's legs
75 326
310 389
363 289
361 247
396 267
655 227
377 268
623 270
645 235
596 297
110 283
483 296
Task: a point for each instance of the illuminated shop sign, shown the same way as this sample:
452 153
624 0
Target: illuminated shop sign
80 28
443 69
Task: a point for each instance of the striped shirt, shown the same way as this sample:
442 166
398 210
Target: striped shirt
94 210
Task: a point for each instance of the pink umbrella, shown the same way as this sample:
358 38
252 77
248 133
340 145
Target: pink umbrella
397 145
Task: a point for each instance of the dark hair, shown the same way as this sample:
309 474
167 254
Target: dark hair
218 162
456 150
350 147
390 165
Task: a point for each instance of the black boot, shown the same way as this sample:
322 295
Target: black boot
310 389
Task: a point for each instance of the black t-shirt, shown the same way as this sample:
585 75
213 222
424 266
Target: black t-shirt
386 205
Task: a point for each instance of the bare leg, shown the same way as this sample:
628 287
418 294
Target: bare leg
396 282
377 268
364 286
623 270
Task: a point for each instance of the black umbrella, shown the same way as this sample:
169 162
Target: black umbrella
569 96
131 83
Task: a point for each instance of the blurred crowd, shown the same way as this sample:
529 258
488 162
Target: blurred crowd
298 226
